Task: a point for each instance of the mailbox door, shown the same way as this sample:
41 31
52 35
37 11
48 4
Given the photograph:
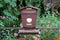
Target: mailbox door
29 20
29 17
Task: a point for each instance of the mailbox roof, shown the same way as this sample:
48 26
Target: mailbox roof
29 7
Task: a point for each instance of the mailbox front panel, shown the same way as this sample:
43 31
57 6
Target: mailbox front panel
28 15
29 20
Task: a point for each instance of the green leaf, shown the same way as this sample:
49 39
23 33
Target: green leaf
7 1
1 24
7 13
0 0
14 18
17 13
1 5
13 4
14 0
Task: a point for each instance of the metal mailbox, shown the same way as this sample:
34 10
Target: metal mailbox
28 15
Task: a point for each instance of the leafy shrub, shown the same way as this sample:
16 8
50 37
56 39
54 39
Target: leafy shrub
8 8
11 10
48 21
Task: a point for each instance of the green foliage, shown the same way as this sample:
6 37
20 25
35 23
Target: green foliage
1 5
49 34
11 11
1 24
48 21
7 35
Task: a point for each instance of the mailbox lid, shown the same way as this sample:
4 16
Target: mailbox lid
28 9
35 8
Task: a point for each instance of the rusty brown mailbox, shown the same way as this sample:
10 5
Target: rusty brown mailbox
28 15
